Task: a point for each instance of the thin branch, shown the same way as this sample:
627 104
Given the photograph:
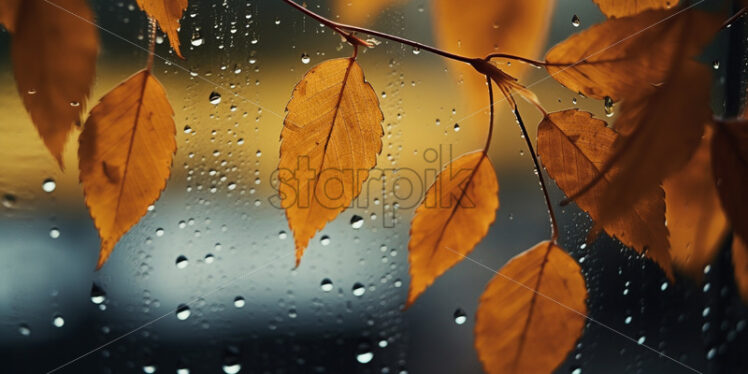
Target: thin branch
551 213
532 62
734 17
346 31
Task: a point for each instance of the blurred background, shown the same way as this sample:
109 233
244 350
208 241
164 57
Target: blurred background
206 283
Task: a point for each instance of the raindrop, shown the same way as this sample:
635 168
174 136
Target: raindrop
575 21
357 222
75 104
282 235
457 127
663 286
24 329
364 357
159 232
416 51
305 59
641 340
9 200
58 321
183 312
608 106
715 64
460 316
239 302
358 289
326 285
627 320
324 240
182 262
197 40
576 371
232 368
149 369
209 258
54 233
214 98
49 185
97 294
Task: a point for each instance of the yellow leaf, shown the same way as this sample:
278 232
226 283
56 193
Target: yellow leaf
622 57
125 154
453 217
361 12
476 28
330 140
730 165
8 13
622 8
574 148
54 60
167 13
695 218
531 313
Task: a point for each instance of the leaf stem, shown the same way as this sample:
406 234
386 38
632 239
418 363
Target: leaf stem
346 31
152 43
539 171
490 123
734 17
517 58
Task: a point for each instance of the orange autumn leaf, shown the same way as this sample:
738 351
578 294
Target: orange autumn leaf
574 148
695 218
453 217
167 13
621 57
362 11
730 165
622 8
126 150
477 28
54 60
531 313
8 13
331 137
740 266
663 129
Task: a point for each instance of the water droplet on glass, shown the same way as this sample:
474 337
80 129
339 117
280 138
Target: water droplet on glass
663 286
357 222
58 321
305 59
182 262
9 200
715 64
608 106
183 312
627 320
232 368
214 98
460 316
197 41
326 285
641 340
149 369
282 235
575 21
576 371
364 357
239 302
324 240
49 185
358 289
209 258
75 104
159 232
97 294
24 329
54 233
416 51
